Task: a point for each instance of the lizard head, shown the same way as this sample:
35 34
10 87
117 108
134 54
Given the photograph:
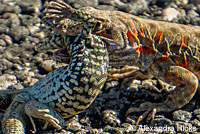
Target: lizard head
69 21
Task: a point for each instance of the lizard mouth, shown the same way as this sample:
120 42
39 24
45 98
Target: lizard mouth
111 44
62 52
62 55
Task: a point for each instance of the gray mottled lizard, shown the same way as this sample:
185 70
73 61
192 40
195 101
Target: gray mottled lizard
64 92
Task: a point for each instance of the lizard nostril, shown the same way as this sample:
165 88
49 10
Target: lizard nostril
65 26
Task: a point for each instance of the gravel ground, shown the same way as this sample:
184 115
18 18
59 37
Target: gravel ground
21 65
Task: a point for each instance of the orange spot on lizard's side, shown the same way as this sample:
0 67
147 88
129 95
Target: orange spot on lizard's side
185 64
139 49
148 50
158 37
134 35
130 38
163 57
134 30
183 45
141 33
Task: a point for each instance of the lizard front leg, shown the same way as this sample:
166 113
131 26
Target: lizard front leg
38 110
126 72
6 97
5 100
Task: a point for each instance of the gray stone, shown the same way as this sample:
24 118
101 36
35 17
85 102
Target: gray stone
84 3
29 20
181 115
192 14
196 111
181 2
106 7
195 2
2 43
2 8
136 6
110 117
30 6
73 125
5 64
7 39
12 9
195 122
7 80
170 13
128 127
13 18
19 33
161 121
164 3
4 29
48 65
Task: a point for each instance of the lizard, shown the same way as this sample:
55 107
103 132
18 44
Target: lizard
65 92
165 50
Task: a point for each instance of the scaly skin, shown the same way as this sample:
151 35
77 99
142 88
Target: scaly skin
64 92
168 51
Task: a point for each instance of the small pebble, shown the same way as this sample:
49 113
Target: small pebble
8 39
110 117
196 111
195 122
13 17
113 130
192 14
127 127
73 125
19 33
131 119
170 13
17 66
162 122
7 80
48 65
181 115
182 2
84 3
2 43
34 29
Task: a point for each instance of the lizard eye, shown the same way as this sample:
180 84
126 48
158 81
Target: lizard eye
98 26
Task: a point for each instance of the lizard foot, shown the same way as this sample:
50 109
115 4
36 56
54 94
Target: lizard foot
149 111
41 111
126 72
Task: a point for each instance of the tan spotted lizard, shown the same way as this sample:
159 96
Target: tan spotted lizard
65 92
167 51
